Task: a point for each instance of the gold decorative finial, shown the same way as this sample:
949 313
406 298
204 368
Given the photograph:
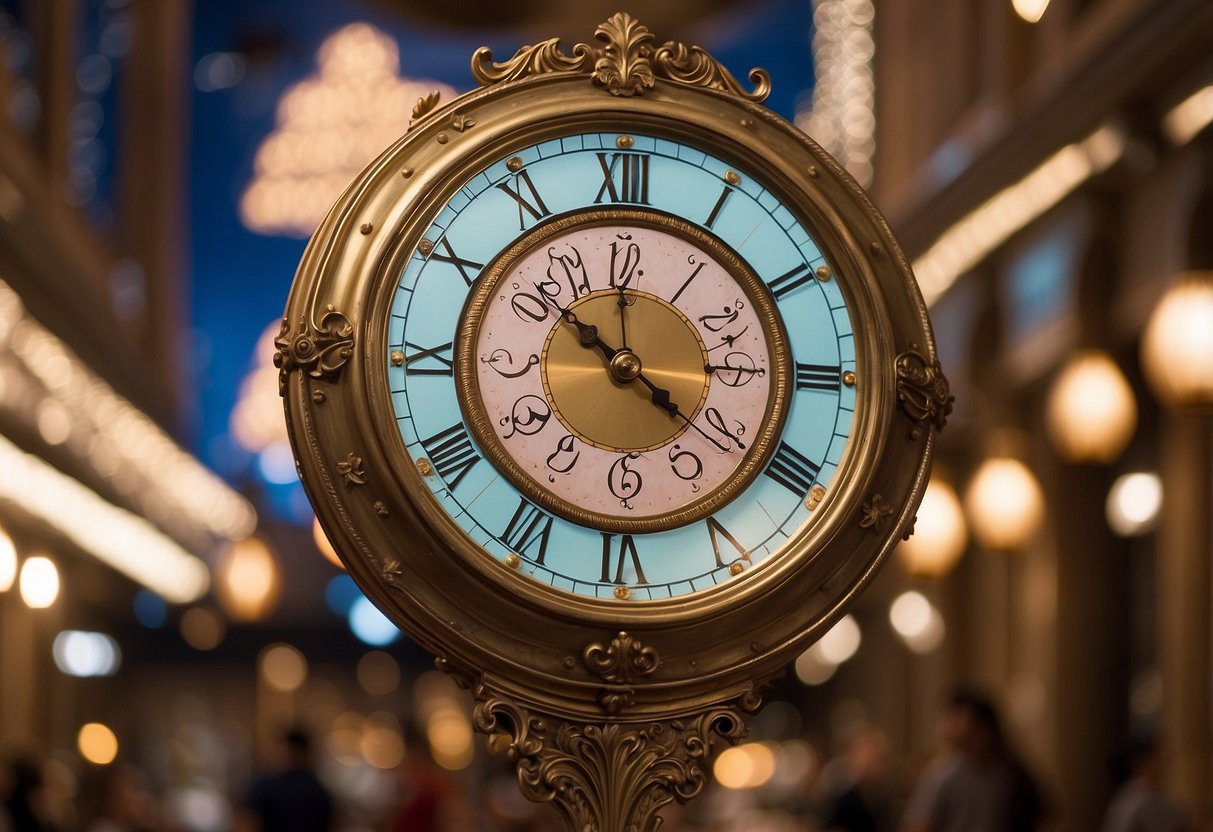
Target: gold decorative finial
626 64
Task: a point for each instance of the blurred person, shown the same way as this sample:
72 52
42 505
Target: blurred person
127 804
427 799
979 784
1139 804
25 796
292 799
859 798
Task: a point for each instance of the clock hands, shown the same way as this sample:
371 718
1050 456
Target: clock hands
623 305
624 365
587 333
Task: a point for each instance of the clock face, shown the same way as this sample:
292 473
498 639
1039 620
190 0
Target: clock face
622 366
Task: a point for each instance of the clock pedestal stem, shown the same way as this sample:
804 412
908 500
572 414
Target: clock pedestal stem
609 776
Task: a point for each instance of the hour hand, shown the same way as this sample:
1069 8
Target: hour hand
587 333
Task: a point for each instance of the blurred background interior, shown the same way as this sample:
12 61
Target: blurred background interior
167 605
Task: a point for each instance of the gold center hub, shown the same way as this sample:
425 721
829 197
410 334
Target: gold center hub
604 401
625 366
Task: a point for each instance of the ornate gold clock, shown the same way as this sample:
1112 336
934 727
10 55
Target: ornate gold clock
613 390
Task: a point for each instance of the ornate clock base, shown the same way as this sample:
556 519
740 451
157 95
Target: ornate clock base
610 776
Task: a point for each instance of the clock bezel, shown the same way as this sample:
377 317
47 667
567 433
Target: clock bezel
475 608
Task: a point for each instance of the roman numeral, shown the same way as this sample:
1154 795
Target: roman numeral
433 353
537 210
627 549
717 531
528 526
634 178
724 195
790 281
817 376
451 453
792 469
457 261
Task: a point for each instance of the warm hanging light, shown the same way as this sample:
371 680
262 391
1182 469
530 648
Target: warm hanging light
917 621
1030 10
249 580
1134 502
8 561
1004 503
1177 347
1091 413
939 533
39 582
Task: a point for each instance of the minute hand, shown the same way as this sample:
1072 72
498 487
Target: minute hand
661 398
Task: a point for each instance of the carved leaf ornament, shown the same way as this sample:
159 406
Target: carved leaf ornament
609 777
321 350
625 64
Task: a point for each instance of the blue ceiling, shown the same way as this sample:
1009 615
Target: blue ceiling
240 279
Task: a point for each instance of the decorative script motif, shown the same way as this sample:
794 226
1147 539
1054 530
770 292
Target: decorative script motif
609 776
922 389
626 64
320 350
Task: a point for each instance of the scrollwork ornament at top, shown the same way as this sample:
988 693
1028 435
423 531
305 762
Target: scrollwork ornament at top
626 63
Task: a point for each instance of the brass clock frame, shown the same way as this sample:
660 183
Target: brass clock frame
608 707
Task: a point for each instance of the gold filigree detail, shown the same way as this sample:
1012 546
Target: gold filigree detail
321 350
462 123
874 513
424 106
351 468
608 776
623 661
922 389
692 65
541 59
626 63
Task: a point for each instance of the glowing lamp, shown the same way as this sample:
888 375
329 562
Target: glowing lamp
1091 413
249 580
1134 502
8 561
939 535
39 582
1030 11
1004 503
1177 347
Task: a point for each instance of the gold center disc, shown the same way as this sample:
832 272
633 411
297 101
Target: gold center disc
593 396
